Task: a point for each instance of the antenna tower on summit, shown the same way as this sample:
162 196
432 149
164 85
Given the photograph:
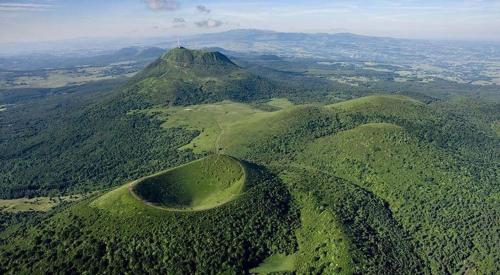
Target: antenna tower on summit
178 43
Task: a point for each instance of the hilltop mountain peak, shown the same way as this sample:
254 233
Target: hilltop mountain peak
183 77
188 58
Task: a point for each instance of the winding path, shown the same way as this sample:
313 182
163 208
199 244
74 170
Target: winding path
218 148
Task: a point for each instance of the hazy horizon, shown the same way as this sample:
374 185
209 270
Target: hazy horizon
103 44
56 20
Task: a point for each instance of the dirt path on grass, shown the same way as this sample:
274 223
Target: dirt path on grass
218 148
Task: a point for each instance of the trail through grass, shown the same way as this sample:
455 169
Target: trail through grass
212 120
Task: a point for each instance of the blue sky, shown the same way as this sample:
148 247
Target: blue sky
45 20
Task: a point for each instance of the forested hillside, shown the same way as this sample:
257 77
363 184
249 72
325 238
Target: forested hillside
81 145
436 173
200 165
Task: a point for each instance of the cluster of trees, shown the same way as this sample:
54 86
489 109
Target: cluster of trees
439 176
10 218
377 244
82 143
234 237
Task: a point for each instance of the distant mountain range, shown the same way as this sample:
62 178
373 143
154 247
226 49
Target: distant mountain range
345 46
462 61
306 44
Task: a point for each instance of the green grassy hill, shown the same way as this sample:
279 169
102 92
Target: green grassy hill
118 232
185 77
383 184
200 185
400 154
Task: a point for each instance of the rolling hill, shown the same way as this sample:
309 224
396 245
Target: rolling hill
85 133
422 167
197 170
186 77
99 234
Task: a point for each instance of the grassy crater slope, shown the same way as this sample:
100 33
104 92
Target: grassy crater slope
202 184
199 185
116 233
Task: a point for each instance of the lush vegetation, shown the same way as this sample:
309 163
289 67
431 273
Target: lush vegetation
426 190
62 143
116 233
381 184
199 185
437 171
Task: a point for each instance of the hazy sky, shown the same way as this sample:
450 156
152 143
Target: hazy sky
41 20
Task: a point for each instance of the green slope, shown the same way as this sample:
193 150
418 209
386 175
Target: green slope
199 185
384 184
378 103
184 77
435 171
367 240
346 228
211 121
434 198
118 233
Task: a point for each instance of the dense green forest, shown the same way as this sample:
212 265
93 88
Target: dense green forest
337 179
437 172
93 146
118 234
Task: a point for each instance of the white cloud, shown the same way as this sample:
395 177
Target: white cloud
163 5
179 20
209 23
